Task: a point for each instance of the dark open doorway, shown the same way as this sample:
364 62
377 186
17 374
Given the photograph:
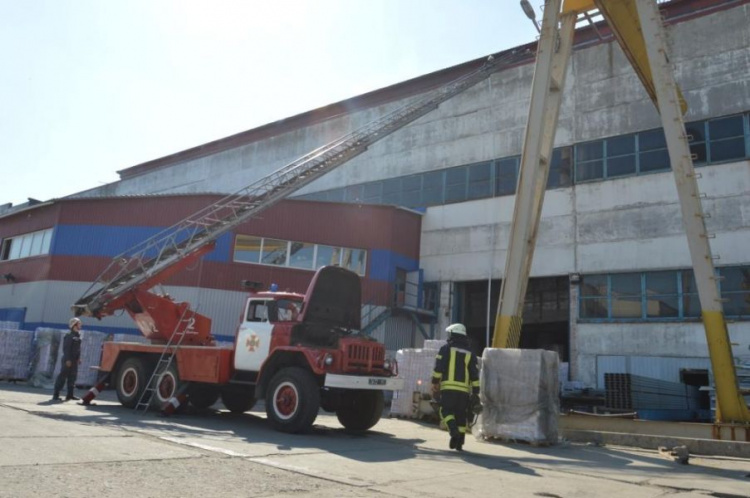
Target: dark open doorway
546 316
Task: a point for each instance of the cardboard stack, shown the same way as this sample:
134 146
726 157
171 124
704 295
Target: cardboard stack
44 356
520 395
15 351
415 366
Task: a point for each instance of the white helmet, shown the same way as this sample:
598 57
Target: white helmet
73 321
456 328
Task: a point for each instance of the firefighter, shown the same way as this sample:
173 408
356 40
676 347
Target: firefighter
70 360
455 383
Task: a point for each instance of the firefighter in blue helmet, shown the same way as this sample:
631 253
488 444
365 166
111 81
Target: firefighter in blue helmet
455 383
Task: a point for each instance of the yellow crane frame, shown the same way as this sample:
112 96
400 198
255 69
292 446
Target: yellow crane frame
638 28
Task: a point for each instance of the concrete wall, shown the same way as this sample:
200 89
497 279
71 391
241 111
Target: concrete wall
603 97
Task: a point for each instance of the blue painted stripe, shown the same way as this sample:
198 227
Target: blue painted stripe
383 264
110 241
32 326
13 315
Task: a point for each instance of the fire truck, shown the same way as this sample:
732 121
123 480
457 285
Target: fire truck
300 353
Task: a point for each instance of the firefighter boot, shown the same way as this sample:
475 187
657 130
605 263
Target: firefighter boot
460 442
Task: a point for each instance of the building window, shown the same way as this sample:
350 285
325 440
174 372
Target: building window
274 252
625 295
26 245
455 185
726 139
652 151
560 168
662 298
506 175
594 292
480 181
735 290
300 255
660 295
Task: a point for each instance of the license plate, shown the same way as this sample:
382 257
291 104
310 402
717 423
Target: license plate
377 382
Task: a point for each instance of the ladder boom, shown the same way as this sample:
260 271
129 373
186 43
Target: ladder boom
149 262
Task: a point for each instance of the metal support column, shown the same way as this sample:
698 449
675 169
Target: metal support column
546 96
731 406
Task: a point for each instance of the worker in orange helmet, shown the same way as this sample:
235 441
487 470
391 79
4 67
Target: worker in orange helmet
455 383
71 358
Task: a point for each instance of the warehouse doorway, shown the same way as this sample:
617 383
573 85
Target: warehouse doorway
546 317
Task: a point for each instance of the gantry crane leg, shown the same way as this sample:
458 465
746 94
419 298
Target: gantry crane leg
638 28
730 405
552 58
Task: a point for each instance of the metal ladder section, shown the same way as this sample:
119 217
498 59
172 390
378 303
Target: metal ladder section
141 262
165 360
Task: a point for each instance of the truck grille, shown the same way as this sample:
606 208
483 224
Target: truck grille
364 356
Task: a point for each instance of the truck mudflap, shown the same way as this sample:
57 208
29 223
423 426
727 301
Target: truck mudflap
364 382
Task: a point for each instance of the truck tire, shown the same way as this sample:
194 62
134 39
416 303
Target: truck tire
361 410
130 381
292 400
202 397
238 400
167 385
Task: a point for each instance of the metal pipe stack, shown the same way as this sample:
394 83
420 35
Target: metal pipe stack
634 392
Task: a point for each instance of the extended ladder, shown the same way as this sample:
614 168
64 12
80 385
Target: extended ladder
164 362
144 262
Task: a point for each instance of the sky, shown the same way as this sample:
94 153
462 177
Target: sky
90 87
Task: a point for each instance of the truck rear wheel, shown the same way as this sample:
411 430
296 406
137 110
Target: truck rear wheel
131 381
238 400
292 400
168 384
361 410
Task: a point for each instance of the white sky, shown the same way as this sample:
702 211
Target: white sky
90 87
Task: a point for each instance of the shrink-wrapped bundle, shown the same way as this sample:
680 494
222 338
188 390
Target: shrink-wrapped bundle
15 352
415 366
44 356
519 391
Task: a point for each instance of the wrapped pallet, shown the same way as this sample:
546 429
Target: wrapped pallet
15 352
91 355
44 356
415 367
519 390
434 344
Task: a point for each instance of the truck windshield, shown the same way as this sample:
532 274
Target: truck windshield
288 309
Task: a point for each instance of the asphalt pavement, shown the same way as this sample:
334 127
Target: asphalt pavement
65 449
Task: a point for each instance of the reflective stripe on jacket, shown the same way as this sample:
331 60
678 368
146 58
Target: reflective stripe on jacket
456 370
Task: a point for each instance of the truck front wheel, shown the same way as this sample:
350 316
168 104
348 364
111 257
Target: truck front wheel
292 400
131 381
361 410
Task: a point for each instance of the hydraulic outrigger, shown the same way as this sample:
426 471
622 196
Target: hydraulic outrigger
638 28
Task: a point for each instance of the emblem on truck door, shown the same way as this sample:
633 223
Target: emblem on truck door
252 342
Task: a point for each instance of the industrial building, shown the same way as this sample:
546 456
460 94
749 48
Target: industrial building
611 287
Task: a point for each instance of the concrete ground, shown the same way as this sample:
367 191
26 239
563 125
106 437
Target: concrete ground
65 449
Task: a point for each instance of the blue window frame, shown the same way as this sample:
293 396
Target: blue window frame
659 295
711 141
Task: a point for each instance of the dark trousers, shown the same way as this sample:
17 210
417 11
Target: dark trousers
69 374
453 406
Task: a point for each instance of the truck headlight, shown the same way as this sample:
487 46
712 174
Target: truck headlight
328 360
